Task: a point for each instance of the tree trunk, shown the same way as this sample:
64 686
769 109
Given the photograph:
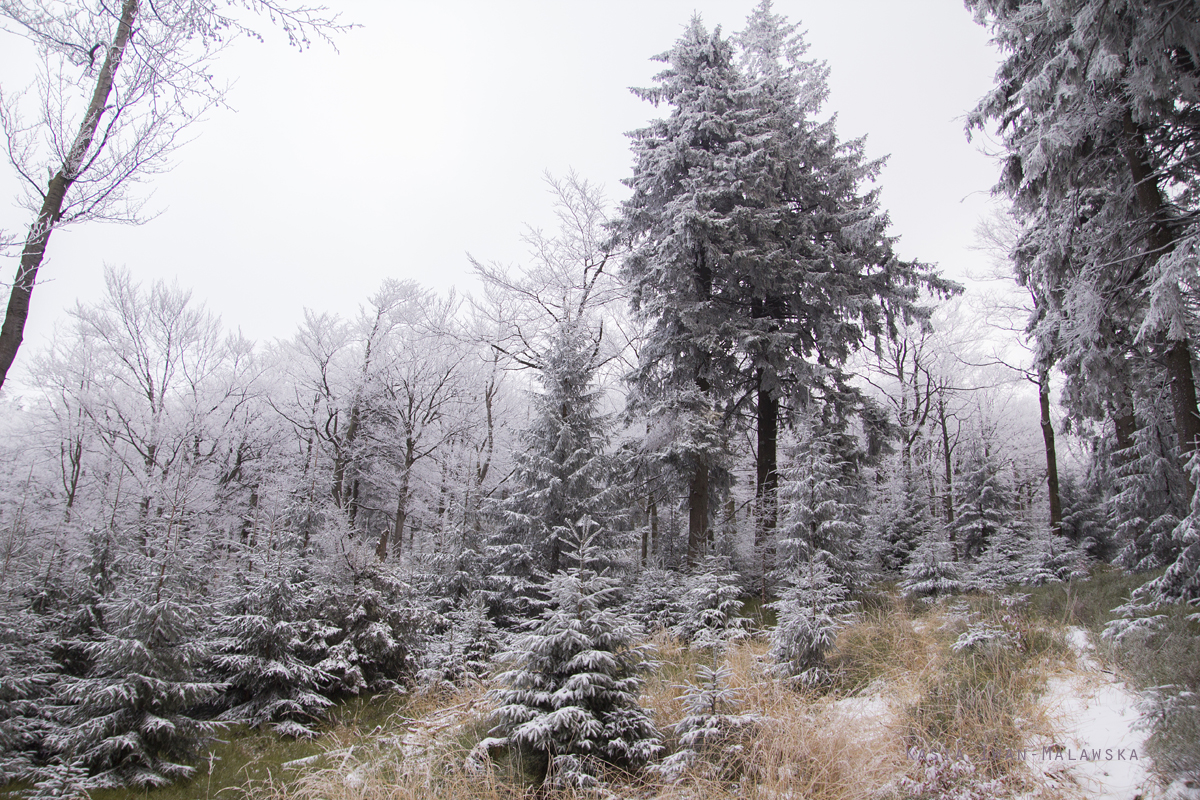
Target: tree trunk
766 489
697 514
1176 356
948 475
401 508
249 522
341 462
13 330
1051 455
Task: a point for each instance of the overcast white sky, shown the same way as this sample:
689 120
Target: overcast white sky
427 135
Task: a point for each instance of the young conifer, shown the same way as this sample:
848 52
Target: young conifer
570 699
129 717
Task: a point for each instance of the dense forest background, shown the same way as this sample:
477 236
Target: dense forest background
727 385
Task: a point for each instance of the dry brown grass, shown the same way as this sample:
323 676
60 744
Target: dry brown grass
982 702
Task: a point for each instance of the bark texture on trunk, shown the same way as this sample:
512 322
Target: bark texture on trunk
1175 353
1051 455
767 478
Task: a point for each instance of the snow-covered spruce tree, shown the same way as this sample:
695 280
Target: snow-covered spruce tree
819 516
903 518
1004 560
1181 580
128 719
563 467
464 652
984 501
809 614
932 570
814 285
372 625
1095 103
713 737
1150 497
684 183
264 650
710 607
744 297
27 677
1084 521
655 600
570 699
1051 558
562 472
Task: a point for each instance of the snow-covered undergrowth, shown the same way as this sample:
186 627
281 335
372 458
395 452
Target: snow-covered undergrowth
923 701
974 697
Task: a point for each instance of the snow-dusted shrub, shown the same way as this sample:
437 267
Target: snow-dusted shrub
808 616
981 636
26 684
656 600
942 775
128 718
932 571
464 652
712 737
711 607
373 631
570 698
265 647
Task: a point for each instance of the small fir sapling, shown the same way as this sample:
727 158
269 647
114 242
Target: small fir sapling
711 607
264 650
1150 498
809 614
128 720
985 502
1051 558
1002 562
817 508
656 600
570 699
712 737
371 630
932 571
465 651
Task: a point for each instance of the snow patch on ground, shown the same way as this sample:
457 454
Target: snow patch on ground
870 712
1098 745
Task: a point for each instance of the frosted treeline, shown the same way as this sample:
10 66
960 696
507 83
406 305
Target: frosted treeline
727 389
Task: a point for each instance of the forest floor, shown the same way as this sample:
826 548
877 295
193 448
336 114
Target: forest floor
972 698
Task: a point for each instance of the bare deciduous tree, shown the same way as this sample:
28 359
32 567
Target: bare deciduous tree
118 86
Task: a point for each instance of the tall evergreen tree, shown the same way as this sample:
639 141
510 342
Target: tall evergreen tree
684 186
1097 105
757 256
813 272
